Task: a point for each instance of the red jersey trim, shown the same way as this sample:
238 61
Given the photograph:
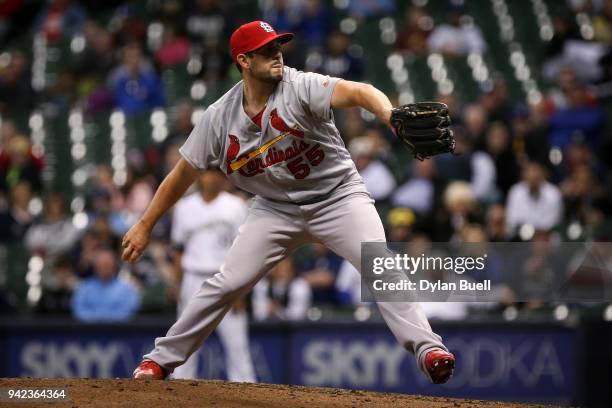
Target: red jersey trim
257 118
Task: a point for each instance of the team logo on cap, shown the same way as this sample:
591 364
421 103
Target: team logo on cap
267 27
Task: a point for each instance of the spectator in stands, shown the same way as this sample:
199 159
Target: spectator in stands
136 86
565 29
495 101
16 94
20 164
129 22
496 224
181 125
314 25
208 22
382 148
499 148
338 60
476 167
351 124
172 11
140 193
169 159
208 26
599 220
580 154
54 234
16 217
61 19
579 189
348 285
154 277
602 24
401 222
174 48
474 238
61 95
103 180
537 270
100 206
475 122
57 294
98 58
362 9
180 128
413 33
7 303
85 252
377 177
215 64
93 67
9 19
418 192
456 38
281 295
319 269
107 236
581 121
460 202
558 97
529 134
283 15
533 201
460 208
538 113
8 130
104 297
454 106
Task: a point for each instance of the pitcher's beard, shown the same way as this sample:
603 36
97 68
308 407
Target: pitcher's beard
269 77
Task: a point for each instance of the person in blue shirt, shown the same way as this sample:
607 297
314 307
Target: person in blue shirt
581 121
104 297
135 85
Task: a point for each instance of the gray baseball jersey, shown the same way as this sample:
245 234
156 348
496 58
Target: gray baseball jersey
296 156
293 163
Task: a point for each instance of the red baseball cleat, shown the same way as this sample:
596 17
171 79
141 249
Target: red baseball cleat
149 370
439 365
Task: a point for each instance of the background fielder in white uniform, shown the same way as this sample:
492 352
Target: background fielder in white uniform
273 135
204 225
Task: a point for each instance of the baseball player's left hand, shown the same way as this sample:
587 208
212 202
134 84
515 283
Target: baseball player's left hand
135 241
424 128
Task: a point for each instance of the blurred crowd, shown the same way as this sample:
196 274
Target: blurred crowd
536 169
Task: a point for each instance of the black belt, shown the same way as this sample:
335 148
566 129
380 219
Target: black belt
200 272
320 198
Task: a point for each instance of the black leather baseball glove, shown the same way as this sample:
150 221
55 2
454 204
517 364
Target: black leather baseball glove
424 128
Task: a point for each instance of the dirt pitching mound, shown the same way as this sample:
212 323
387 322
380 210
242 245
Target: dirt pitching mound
187 393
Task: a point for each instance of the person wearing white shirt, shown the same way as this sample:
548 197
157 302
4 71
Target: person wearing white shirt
204 225
282 295
533 201
377 177
418 192
456 37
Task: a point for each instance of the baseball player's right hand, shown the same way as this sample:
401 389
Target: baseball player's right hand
135 241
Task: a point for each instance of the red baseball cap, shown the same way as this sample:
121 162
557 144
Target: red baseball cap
251 36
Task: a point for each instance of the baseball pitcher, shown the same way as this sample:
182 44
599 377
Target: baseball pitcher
273 134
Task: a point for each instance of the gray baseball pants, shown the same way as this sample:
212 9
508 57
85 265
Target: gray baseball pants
233 332
272 230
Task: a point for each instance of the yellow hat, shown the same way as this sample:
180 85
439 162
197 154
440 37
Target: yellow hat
19 144
401 217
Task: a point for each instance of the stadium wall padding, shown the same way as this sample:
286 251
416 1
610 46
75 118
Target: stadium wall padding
528 362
